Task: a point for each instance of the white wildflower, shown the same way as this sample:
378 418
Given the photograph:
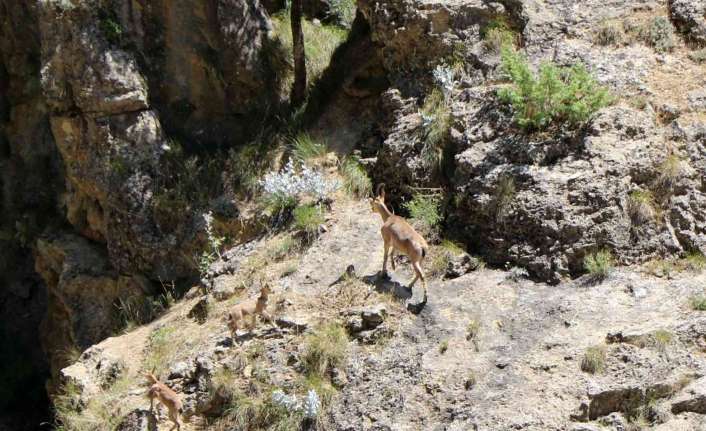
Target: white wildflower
312 405
444 78
289 402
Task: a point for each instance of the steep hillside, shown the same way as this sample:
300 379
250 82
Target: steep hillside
155 172
491 350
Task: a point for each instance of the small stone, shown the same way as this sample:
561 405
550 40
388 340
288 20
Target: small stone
298 325
416 303
138 420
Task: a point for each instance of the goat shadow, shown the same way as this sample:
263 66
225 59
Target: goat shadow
385 284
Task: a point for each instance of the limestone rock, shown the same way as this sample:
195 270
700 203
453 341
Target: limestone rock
690 18
138 420
692 398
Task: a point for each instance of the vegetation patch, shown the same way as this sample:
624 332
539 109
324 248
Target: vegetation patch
436 124
355 180
670 171
554 95
659 34
498 34
593 360
325 349
443 346
320 41
504 194
164 344
610 34
442 255
308 219
599 265
305 148
642 207
424 210
662 338
698 56
698 302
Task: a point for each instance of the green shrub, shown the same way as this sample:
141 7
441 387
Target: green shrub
443 346
355 179
308 218
470 381
424 209
436 117
554 95
472 330
610 33
306 148
599 264
593 360
324 349
659 34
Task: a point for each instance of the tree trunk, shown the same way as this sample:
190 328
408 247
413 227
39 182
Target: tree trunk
299 88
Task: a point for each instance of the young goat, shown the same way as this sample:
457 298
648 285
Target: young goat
167 397
398 235
251 308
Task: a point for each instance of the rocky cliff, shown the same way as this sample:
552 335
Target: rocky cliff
126 124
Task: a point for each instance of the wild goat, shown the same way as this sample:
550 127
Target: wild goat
251 308
167 397
398 235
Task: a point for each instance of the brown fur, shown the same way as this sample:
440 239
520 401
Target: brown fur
398 235
252 307
165 395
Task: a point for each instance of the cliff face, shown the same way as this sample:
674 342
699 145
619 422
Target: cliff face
96 98
104 105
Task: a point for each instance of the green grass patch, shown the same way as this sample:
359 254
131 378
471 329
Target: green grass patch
599 265
305 148
610 33
443 346
642 207
670 170
698 302
551 96
164 343
308 218
593 360
436 117
662 339
324 349
355 180
498 34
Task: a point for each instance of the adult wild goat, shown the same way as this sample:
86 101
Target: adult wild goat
398 235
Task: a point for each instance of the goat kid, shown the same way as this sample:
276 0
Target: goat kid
398 235
165 395
253 307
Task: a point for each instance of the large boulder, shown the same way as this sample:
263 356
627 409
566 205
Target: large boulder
690 18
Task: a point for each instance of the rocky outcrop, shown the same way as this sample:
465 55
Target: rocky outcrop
690 18
84 292
543 201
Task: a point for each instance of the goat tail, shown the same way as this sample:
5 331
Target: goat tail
424 252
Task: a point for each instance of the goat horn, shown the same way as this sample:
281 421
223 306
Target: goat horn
381 188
